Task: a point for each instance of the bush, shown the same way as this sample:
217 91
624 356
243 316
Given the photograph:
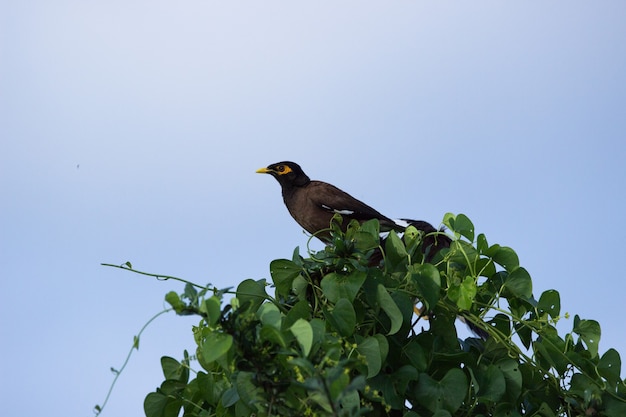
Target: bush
342 337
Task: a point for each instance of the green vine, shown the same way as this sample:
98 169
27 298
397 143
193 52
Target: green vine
117 372
342 337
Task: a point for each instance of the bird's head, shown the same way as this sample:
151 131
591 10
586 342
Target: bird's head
288 174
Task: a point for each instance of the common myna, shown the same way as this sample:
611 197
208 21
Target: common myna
313 204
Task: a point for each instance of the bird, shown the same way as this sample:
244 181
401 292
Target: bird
313 204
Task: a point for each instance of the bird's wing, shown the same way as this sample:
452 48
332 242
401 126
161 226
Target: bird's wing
332 199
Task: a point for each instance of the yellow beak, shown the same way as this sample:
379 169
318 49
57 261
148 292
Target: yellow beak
263 171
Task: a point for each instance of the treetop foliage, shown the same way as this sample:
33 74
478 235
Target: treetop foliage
343 337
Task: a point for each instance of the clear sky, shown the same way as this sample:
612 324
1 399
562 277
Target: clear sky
131 130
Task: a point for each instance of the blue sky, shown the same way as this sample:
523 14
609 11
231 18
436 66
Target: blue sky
130 131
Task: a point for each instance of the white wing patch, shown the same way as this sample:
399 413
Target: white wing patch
401 223
342 212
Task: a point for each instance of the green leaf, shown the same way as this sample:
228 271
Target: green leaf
301 310
464 226
337 286
370 348
172 387
416 355
524 332
448 220
460 224
519 284
319 330
230 397
403 376
212 308
549 348
344 317
174 300
283 273
589 332
296 258
614 407
410 237
584 386
485 267
509 410
273 335
371 227
492 383
463 294
609 366
300 286
244 409
387 384
269 315
368 235
253 292
390 308
154 404
215 346
249 393
190 292
384 346
544 411
406 304
350 400
303 332
513 377
481 244
395 251
428 283
504 256
502 323
463 253
550 303
447 394
172 369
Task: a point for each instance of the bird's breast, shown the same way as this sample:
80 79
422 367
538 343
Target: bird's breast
307 213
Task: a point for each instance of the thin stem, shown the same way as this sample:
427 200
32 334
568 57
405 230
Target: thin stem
159 276
98 409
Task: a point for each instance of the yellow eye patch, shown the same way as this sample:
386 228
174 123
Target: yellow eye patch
283 169
279 169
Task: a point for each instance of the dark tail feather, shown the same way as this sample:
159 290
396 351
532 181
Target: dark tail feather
434 240
478 331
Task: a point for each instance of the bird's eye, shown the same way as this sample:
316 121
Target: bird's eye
282 169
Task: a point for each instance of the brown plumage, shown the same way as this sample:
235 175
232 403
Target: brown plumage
313 204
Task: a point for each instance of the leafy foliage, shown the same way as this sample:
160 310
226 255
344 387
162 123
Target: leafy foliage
342 337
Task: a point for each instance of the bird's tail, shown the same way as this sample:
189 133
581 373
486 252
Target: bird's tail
477 330
434 240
